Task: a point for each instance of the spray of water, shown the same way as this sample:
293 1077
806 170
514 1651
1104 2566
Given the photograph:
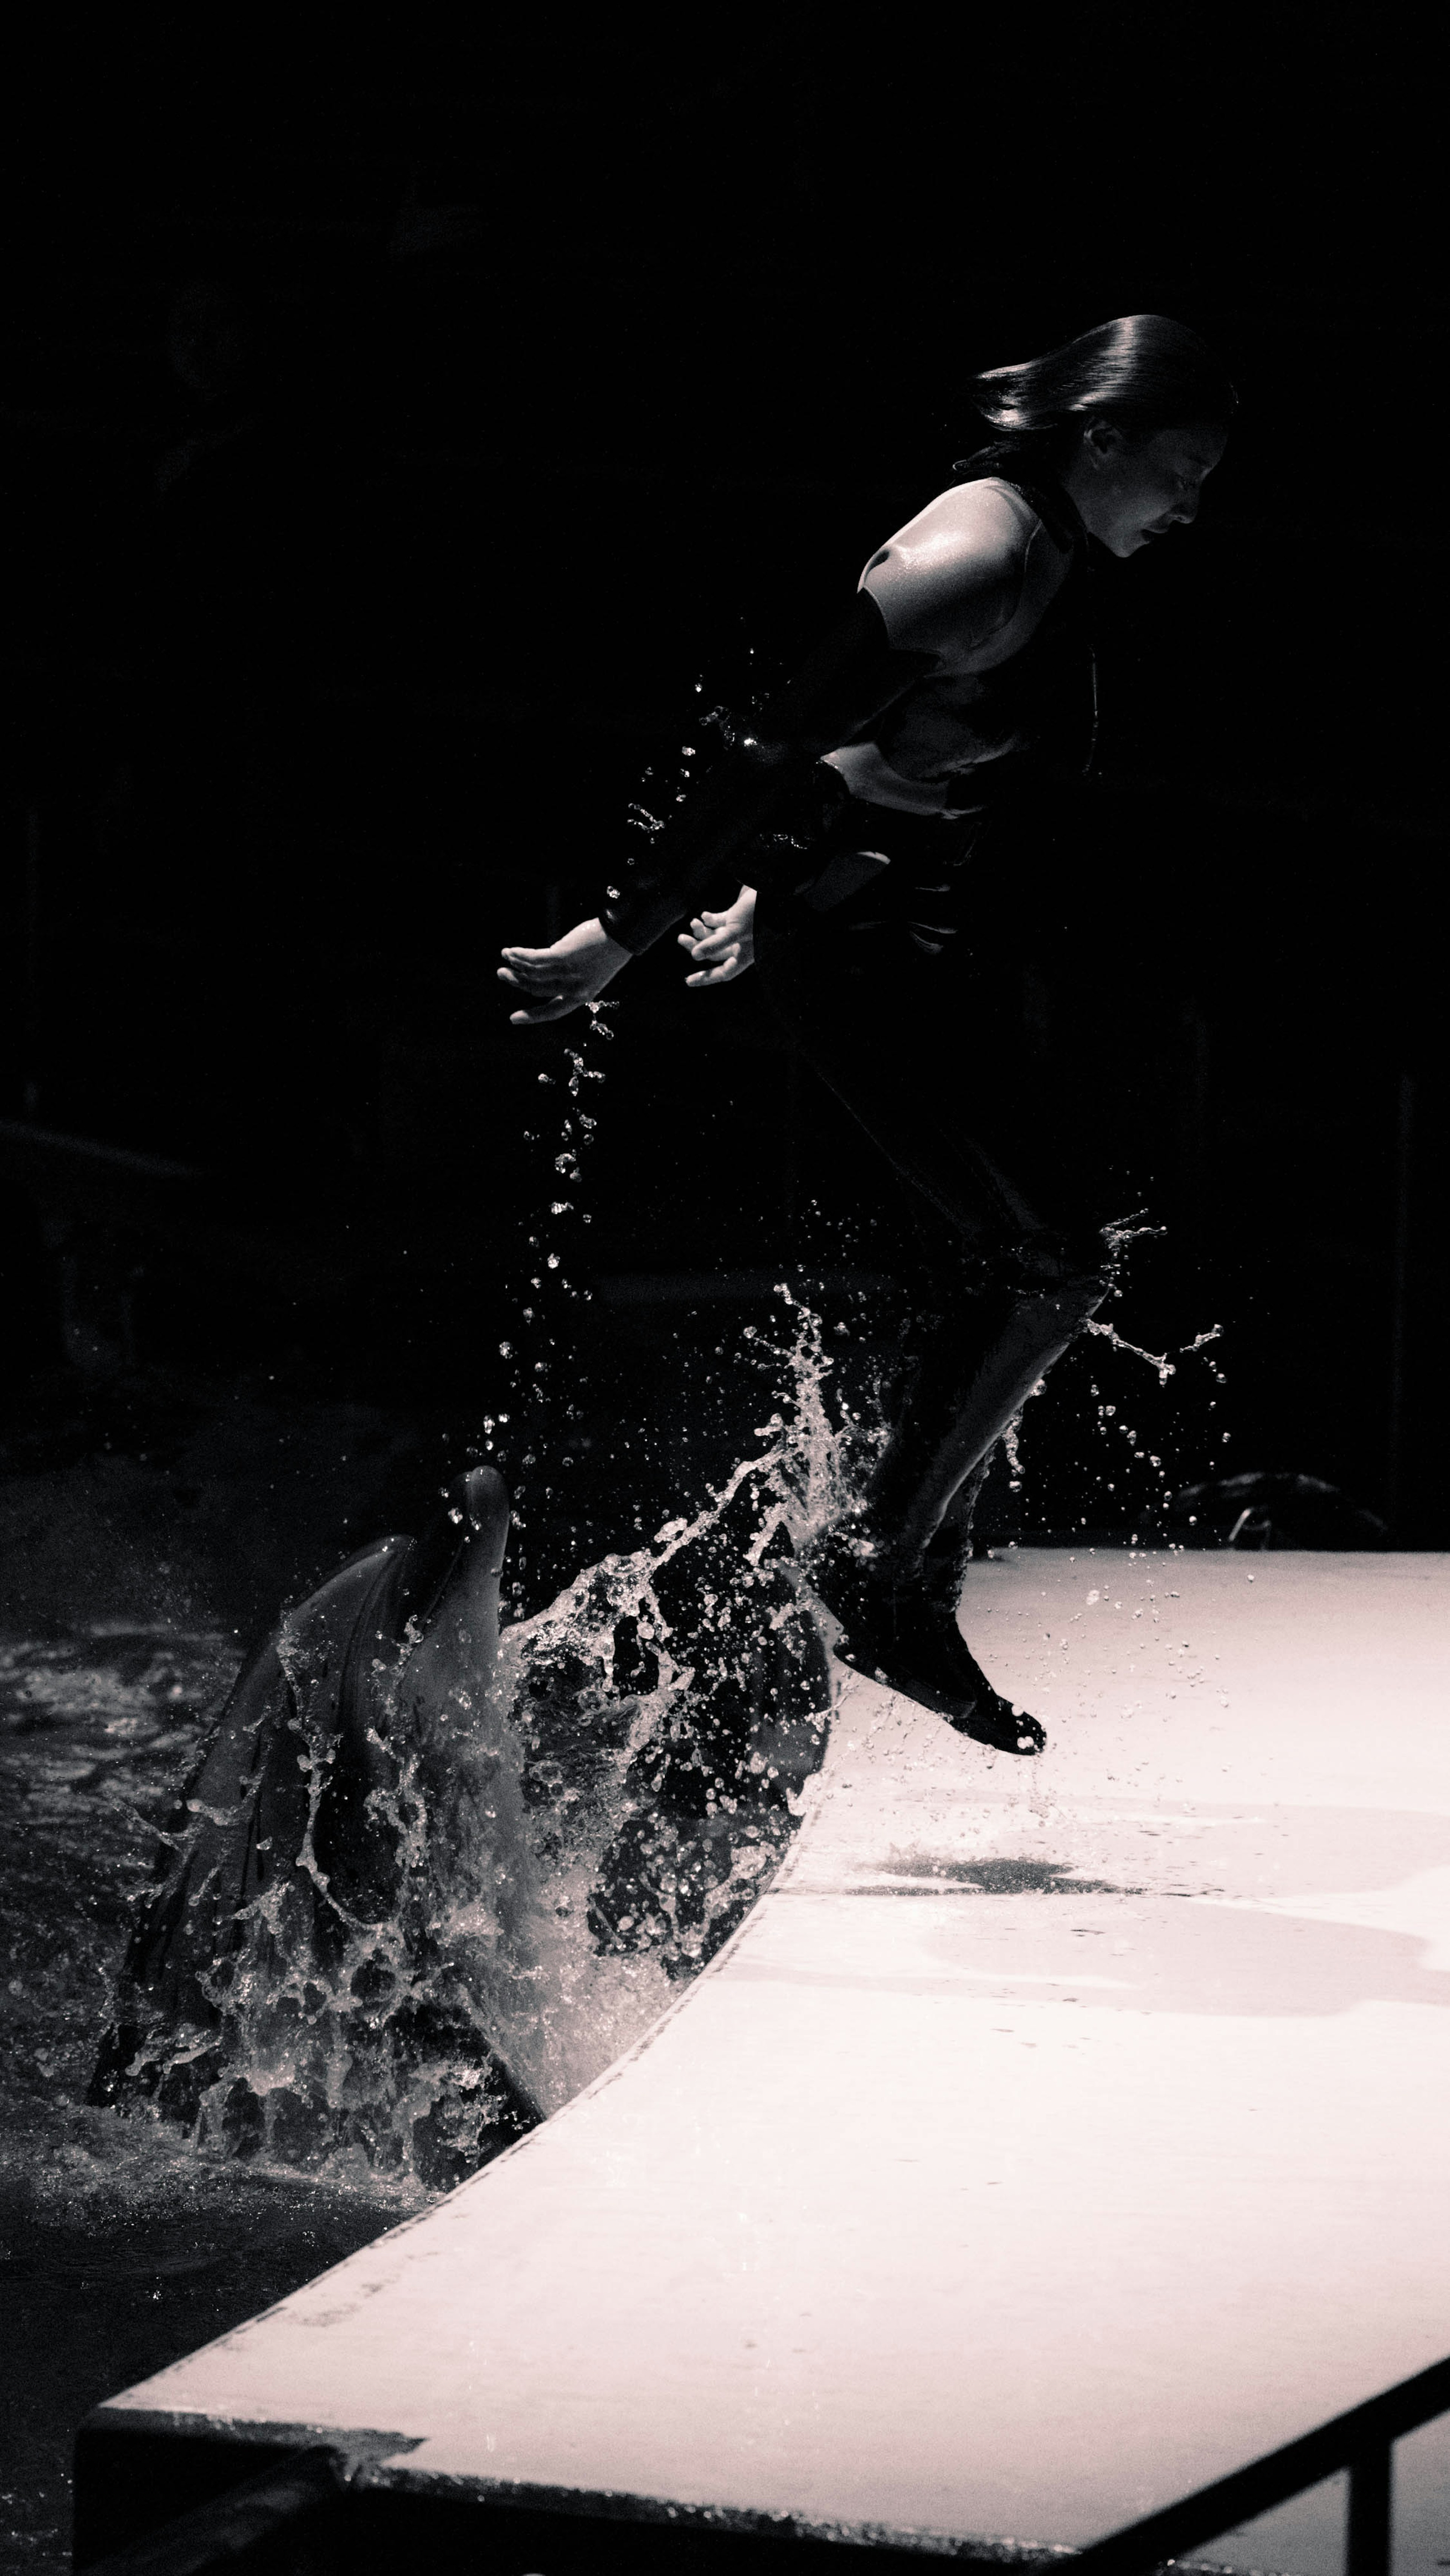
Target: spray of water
556 1842
669 1710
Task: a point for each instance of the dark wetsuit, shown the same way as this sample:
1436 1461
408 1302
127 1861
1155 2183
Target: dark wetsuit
919 741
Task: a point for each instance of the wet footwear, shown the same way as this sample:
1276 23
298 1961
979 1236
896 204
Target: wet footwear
903 1634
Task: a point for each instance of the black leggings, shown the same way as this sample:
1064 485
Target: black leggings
922 1043
927 1054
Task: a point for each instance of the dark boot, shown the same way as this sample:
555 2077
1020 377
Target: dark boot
894 1579
949 1553
901 1630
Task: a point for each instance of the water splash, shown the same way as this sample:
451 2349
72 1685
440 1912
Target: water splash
1158 1360
562 1847
672 1702
516 1433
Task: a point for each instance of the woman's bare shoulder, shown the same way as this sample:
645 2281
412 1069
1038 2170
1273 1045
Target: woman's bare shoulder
956 567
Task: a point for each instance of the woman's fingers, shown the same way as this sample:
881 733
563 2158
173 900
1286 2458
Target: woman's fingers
568 990
721 944
555 980
535 970
708 943
721 971
541 1011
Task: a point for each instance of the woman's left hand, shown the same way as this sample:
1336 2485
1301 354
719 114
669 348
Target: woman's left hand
722 944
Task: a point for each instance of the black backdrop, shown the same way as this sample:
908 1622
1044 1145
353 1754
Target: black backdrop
406 451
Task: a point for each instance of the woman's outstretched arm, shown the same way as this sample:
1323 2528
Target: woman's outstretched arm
848 681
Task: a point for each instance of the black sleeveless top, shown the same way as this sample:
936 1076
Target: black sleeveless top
1051 686
976 729
963 722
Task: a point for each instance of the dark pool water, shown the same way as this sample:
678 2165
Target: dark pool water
120 2247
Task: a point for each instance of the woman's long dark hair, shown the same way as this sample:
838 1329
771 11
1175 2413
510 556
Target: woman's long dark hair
1142 371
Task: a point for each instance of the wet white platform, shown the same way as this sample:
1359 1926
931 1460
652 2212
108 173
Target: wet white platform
1053 2139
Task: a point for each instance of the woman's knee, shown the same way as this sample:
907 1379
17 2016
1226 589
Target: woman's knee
1081 1263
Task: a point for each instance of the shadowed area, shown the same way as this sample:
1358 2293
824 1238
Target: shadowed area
931 1873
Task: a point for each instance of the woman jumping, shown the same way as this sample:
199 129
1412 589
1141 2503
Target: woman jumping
925 736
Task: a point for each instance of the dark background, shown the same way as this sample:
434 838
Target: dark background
405 447
403 454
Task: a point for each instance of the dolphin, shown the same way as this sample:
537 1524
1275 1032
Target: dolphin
296 1940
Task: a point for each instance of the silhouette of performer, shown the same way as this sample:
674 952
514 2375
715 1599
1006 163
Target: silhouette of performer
925 735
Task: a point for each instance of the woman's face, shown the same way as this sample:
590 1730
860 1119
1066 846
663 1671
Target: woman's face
1131 490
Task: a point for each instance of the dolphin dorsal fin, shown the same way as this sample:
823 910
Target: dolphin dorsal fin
487 1506
475 1514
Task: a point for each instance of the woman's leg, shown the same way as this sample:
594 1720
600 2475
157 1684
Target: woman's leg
972 1381
894 1577
893 1034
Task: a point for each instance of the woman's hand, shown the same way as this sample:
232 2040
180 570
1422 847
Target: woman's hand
557 980
722 944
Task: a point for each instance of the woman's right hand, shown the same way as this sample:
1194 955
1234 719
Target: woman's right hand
557 980
722 944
